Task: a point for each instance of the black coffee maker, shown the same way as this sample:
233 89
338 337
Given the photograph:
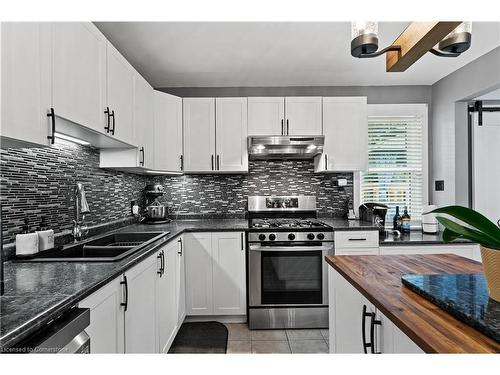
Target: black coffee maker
374 213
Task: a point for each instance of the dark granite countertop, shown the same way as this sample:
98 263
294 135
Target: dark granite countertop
416 237
35 293
465 296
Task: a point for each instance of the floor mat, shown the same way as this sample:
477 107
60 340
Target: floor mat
200 337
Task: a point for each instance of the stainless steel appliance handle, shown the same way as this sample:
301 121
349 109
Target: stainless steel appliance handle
289 248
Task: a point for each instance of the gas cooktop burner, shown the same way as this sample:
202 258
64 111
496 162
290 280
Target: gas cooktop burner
287 223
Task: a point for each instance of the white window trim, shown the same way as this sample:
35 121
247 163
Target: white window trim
401 110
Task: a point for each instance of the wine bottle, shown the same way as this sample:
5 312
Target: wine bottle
395 224
405 221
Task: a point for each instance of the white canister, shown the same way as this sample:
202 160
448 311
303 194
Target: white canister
26 244
429 222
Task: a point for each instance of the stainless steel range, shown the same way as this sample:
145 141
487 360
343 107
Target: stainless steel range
287 274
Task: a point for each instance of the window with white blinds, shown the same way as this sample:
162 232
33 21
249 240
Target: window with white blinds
397 159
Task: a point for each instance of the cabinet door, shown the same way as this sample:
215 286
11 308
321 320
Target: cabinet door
390 339
140 317
345 127
166 297
229 287
106 328
199 134
78 73
180 284
266 115
198 253
120 94
231 134
25 76
466 251
346 315
144 122
167 132
303 115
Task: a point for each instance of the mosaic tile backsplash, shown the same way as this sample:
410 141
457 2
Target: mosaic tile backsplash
38 182
226 195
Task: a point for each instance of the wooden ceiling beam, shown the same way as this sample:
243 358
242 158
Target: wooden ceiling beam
415 41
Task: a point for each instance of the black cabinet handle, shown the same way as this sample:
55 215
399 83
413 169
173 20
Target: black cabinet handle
160 271
242 239
180 249
373 323
106 112
326 161
218 162
182 162
287 127
364 315
212 162
357 239
112 115
282 128
141 162
124 282
52 114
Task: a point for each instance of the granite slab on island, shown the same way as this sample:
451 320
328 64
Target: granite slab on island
433 329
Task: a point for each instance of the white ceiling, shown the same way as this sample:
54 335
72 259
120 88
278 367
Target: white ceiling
212 54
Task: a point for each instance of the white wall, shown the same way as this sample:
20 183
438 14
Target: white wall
477 77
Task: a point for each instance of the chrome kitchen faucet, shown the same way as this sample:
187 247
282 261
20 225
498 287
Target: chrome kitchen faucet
80 230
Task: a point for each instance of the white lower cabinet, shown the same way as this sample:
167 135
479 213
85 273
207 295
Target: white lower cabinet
467 251
350 313
106 328
180 282
215 273
166 297
140 312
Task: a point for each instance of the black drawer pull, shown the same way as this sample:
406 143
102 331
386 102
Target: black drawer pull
52 114
106 112
125 303
357 239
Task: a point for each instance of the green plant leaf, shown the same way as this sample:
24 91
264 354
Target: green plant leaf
472 218
469 233
449 235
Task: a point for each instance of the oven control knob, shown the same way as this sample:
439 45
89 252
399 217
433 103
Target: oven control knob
320 236
262 237
272 237
291 236
310 236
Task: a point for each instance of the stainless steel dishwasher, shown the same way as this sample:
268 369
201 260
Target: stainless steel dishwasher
66 334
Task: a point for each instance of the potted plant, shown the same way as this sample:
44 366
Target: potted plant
475 227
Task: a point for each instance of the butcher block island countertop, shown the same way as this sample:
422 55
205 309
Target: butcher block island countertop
378 278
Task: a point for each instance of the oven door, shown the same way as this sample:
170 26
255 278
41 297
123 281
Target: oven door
288 276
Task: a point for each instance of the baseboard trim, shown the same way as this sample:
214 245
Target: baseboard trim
218 318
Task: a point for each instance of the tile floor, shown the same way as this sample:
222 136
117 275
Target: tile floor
241 340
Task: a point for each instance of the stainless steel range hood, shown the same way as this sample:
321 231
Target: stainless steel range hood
285 147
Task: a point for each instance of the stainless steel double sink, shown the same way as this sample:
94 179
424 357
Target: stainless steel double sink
106 248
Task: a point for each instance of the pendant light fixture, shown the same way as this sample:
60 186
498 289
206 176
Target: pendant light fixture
364 40
456 42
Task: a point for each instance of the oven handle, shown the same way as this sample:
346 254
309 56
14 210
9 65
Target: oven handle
289 248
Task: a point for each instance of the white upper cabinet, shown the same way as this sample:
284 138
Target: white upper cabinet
231 134
79 73
119 96
266 115
26 85
345 127
199 134
303 115
167 132
144 122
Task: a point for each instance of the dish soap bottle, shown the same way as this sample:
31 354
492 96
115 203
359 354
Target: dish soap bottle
405 221
396 221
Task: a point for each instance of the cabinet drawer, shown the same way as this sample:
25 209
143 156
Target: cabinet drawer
356 239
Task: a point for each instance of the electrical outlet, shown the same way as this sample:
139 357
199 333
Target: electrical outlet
439 185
